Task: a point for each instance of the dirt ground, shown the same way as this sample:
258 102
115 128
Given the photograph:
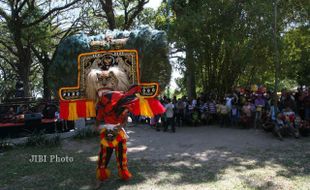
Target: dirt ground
206 157
210 157
146 143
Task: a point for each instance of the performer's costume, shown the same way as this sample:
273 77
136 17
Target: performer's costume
103 82
112 109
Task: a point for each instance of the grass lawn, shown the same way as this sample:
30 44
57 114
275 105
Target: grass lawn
285 167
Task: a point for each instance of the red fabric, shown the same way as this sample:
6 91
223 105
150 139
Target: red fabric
110 118
133 90
81 108
156 106
102 135
64 109
111 145
119 138
134 108
291 117
107 107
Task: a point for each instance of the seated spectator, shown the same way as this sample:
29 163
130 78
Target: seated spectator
23 109
49 111
285 123
9 115
289 117
279 125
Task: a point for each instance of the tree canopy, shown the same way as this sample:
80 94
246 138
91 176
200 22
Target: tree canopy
229 43
217 44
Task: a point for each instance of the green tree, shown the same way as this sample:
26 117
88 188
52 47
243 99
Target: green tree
231 42
296 48
118 14
20 21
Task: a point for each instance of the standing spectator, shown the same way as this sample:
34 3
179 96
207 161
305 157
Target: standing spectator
180 108
253 109
234 115
204 112
246 114
194 103
297 98
306 103
169 115
259 105
212 110
189 113
229 102
223 114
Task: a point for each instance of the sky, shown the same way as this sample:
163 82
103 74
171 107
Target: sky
154 4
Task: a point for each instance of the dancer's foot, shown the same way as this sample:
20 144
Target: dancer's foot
124 174
102 174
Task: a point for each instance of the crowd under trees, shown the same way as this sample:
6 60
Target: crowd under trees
218 44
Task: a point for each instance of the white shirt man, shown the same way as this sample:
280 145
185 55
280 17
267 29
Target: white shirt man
169 110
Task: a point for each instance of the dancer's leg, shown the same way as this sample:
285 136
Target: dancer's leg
103 160
121 158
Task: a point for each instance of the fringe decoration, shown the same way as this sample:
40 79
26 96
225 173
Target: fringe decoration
73 110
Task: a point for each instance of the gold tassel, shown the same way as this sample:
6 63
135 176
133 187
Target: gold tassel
90 109
72 111
145 109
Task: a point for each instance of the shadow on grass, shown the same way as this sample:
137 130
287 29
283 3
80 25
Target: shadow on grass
187 170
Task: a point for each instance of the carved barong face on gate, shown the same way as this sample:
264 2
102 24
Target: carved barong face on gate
114 70
98 81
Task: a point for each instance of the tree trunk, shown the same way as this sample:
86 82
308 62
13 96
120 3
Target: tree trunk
190 73
23 53
23 67
107 6
46 89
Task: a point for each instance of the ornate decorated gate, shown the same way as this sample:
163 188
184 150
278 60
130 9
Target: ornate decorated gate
73 101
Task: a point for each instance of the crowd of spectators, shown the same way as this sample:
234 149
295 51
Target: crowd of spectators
241 108
15 113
